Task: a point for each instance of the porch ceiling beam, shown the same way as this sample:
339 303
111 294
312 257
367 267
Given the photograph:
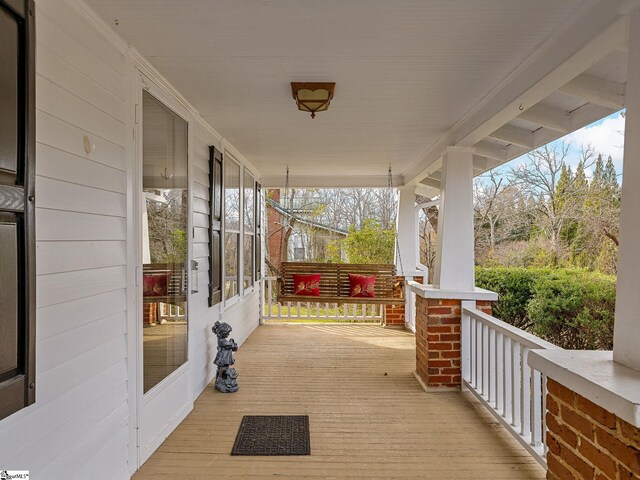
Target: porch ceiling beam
431 182
330 181
596 90
498 152
591 36
514 135
548 117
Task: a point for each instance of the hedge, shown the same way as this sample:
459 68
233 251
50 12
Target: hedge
571 308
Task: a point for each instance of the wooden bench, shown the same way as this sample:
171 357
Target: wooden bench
334 283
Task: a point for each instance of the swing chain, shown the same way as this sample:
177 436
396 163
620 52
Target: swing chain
390 185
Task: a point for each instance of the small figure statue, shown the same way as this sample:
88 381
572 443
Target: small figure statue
226 376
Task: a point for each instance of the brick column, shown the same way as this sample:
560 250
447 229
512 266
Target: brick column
394 314
586 441
438 347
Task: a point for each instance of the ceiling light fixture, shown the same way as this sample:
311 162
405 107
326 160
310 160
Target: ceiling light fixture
312 96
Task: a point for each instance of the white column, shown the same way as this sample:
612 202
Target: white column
454 266
627 319
407 230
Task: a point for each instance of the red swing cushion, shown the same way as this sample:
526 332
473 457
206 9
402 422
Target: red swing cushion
308 285
362 285
155 284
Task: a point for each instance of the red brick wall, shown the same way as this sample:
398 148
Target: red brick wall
394 314
586 441
275 232
438 349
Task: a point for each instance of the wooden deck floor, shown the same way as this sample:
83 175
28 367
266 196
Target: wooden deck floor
369 417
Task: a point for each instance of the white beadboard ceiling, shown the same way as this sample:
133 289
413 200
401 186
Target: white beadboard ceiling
405 70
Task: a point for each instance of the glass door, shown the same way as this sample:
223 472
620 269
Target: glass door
163 258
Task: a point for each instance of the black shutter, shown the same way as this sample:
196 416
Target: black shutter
17 223
258 238
215 227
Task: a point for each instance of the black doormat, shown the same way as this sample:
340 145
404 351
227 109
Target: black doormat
270 435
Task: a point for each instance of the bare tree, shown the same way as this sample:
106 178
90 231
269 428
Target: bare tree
556 202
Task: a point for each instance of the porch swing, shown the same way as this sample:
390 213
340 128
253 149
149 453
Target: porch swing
335 285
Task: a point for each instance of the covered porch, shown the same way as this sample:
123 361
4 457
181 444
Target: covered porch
369 418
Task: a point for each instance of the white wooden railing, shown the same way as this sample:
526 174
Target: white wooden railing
272 310
171 312
495 370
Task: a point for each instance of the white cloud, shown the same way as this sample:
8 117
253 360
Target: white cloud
607 138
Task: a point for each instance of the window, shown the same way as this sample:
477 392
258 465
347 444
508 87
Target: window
248 186
258 239
215 228
231 227
17 210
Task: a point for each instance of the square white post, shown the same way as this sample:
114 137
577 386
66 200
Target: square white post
627 318
407 231
454 265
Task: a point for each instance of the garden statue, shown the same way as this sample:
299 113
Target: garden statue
226 376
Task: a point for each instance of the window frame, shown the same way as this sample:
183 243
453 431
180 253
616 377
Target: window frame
251 231
225 230
18 391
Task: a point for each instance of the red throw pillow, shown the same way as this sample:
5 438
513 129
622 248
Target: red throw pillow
306 284
361 285
154 284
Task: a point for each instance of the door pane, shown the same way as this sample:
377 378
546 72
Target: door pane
164 242
8 92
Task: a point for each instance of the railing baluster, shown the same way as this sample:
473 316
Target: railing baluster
515 384
269 297
485 360
507 393
473 348
543 420
525 394
499 373
536 408
492 366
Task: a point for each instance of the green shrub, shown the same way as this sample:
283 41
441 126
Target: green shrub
574 309
571 308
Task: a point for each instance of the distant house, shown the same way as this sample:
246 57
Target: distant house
292 235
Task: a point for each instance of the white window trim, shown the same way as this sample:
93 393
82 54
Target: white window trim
250 288
228 302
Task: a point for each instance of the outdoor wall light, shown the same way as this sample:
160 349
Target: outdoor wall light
312 96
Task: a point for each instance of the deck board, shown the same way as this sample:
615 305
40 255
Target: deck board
364 424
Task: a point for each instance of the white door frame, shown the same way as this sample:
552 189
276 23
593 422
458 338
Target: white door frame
139 453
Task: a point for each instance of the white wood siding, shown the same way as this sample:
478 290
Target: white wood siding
78 427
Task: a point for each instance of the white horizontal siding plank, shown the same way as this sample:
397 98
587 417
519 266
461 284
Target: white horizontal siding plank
64 287
200 205
44 424
78 28
58 164
200 235
60 195
76 426
201 250
61 225
200 220
58 257
78 55
200 191
66 376
200 176
58 318
67 346
98 453
67 137
60 103
67 76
